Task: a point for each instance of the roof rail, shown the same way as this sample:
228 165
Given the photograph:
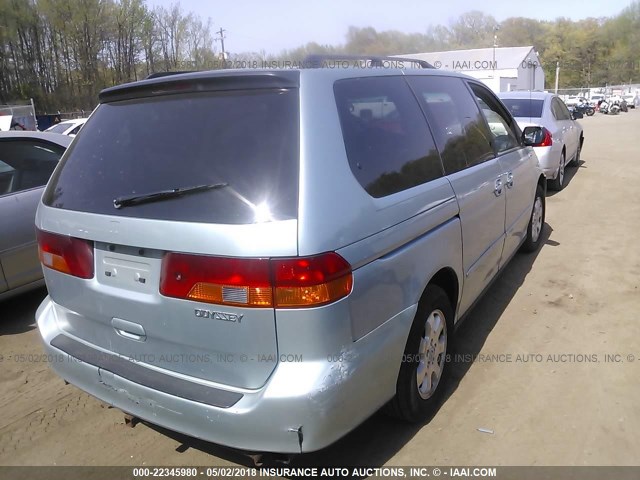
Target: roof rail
166 74
317 60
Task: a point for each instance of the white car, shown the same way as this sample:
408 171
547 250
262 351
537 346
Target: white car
563 138
574 100
68 127
631 100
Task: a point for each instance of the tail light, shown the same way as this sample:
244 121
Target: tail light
282 283
547 139
73 256
311 281
228 281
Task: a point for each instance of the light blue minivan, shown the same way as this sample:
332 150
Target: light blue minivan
291 258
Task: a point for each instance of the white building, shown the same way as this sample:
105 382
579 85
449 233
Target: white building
502 69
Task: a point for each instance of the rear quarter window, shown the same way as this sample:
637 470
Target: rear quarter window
388 143
247 139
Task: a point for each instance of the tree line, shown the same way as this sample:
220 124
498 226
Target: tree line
591 52
62 53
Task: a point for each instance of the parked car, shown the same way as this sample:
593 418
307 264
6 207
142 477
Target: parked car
573 101
631 100
68 127
563 139
290 263
26 162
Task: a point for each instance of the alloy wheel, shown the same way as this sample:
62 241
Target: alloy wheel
432 352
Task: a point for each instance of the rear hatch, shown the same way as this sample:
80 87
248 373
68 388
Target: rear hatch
180 188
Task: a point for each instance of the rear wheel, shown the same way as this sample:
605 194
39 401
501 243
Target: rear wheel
536 222
558 183
424 369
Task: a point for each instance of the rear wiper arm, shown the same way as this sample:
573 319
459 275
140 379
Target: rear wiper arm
164 194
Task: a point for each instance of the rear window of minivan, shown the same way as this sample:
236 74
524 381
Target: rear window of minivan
248 140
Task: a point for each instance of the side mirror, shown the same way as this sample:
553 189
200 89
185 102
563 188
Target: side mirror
532 136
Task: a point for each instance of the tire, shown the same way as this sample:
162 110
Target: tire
417 400
576 161
557 183
590 112
536 223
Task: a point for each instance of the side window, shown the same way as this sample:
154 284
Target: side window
26 164
558 111
554 109
388 143
7 174
460 131
565 111
501 125
75 130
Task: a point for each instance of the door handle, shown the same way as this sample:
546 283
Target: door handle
132 336
509 179
498 188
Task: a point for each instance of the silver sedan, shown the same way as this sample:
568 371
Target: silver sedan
27 160
563 136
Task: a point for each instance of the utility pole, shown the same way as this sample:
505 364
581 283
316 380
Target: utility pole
221 33
557 75
495 45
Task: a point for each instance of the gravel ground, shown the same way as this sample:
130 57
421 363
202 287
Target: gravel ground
540 381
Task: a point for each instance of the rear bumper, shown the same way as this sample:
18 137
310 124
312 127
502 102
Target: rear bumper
548 161
304 406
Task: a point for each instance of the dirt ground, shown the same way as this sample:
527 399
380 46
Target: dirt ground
559 403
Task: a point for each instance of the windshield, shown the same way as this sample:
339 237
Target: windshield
524 107
247 139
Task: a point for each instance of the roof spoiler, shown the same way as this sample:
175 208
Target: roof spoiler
317 60
222 80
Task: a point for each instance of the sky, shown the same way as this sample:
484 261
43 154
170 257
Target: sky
274 25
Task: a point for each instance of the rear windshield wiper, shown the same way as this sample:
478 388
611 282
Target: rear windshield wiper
164 194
